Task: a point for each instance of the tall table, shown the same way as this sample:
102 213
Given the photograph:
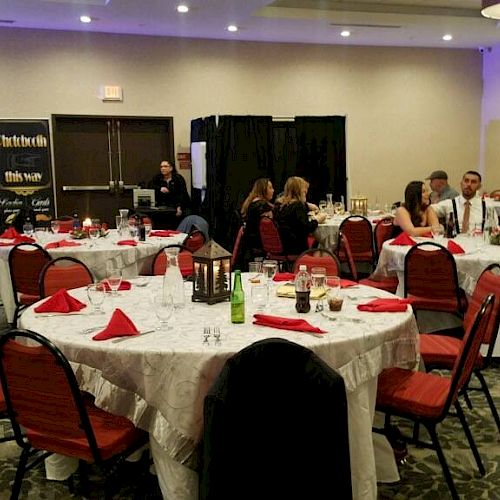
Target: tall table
105 253
159 380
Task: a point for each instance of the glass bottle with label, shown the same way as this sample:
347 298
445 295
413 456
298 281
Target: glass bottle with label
237 300
302 290
451 230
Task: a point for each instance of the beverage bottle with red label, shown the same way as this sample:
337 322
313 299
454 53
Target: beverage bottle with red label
302 290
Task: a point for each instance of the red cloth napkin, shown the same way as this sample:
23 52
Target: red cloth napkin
454 248
403 239
61 302
298 325
62 244
20 239
10 234
120 325
124 285
284 277
131 243
385 305
345 283
164 233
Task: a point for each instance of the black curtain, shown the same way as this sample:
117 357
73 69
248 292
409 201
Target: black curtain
321 155
284 153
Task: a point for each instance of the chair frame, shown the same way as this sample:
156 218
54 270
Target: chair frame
161 252
192 233
19 306
346 247
27 450
237 245
311 252
54 262
458 381
460 294
378 240
275 254
359 219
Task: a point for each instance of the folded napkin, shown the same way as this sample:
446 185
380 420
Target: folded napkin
345 283
403 239
61 302
298 325
454 248
131 243
385 305
62 244
164 233
120 325
124 285
284 277
10 234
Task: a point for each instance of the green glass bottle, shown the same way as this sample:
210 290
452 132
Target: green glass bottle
237 300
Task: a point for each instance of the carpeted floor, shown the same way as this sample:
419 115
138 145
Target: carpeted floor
421 476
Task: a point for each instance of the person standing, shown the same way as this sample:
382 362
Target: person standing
441 190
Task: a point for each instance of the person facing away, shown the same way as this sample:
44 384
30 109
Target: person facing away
416 216
441 190
469 210
256 205
291 213
170 189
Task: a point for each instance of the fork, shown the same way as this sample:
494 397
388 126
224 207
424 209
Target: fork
206 334
217 334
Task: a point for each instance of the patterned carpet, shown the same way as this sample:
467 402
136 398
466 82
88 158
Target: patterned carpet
421 476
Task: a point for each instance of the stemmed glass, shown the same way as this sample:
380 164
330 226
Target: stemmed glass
318 283
164 308
54 226
269 270
114 280
94 232
96 294
28 229
438 233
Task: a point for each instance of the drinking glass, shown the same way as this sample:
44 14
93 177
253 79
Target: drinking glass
28 229
96 294
134 232
114 280
476 233
94 231
333 296
164 308
318 282
338 208
54 226
259 295
255 267
148 228
269 269
322 205
438 233
40 234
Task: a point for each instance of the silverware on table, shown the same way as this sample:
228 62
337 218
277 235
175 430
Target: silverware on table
121 339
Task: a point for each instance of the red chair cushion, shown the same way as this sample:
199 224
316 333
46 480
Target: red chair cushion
387 284
416 393
433 304
27 299
441 351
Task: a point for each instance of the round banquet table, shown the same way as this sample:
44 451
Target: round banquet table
99 258
159 380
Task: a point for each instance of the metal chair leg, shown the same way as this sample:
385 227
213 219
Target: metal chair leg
487 394
21 469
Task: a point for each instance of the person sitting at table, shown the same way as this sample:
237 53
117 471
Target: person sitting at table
291 213
441 190
468 209
256 205
416 216
170 189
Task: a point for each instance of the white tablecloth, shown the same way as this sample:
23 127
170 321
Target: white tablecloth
99 258
159 381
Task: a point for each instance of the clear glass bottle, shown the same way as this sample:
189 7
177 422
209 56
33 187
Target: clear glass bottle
302 290
173 283
237 300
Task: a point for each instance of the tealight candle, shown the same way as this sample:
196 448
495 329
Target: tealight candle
87 223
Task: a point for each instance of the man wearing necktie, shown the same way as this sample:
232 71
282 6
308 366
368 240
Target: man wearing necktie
470 211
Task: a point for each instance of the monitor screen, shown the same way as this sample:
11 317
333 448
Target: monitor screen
144 198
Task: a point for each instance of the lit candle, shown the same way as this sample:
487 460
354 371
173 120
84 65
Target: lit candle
86 224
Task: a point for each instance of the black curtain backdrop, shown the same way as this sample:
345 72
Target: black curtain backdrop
321 155
240 149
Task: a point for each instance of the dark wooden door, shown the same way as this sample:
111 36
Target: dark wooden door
99 160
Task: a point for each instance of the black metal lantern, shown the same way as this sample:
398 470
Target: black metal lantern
211 274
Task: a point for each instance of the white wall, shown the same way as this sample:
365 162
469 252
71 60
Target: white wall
409 111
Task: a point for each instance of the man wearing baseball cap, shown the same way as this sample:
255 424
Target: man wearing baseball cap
441 190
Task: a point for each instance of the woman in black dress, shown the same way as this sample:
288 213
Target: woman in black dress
291 213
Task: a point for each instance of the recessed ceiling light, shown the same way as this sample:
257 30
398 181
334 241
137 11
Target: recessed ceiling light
345 33
182 9
447 38
85 19
232 28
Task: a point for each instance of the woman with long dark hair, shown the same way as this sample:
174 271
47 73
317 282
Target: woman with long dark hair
416 216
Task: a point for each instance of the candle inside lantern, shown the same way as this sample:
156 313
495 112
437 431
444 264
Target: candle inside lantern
86 224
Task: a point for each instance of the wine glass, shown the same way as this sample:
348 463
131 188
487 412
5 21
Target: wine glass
28 229
94 233
437 231
114 280
269 270
54 226
96 294
318 282
164 308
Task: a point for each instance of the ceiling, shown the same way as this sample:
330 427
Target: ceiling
409 23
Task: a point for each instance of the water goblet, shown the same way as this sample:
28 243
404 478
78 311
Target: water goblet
54 226
164 308
94 233
114 280
96 293
269 270
318 285
28 229
259 295
437 231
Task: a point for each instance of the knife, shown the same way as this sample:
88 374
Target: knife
121 339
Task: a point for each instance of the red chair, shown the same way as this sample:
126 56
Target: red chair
194 240
318 257
383 231
426 398
63 272
237 246
184 258
431 280
271 242
43 399
26 261
441 351
358 230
